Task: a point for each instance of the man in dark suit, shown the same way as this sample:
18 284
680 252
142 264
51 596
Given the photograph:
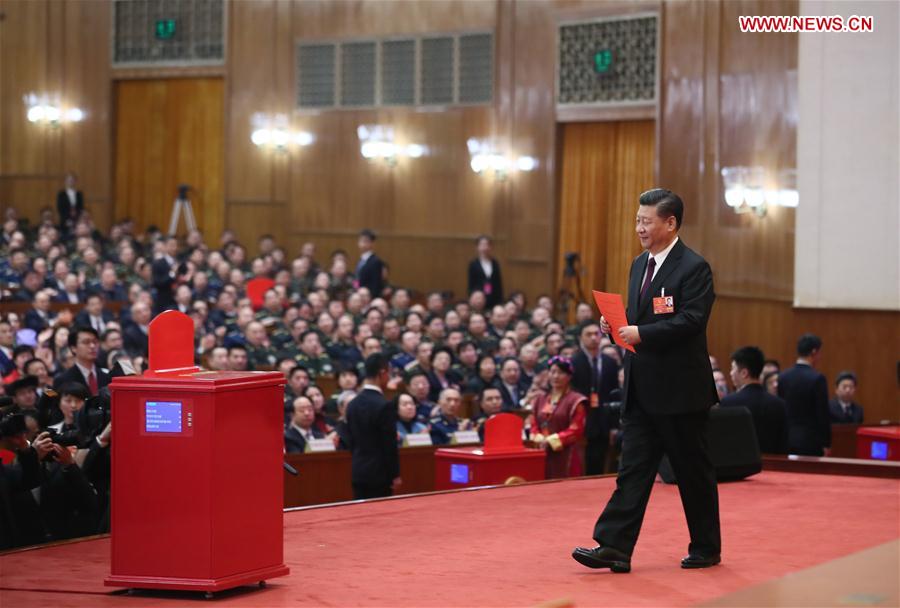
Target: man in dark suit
595 377
805 391
301 430
85 343
484 273
370 268
512 388
69 203
769 412
94 314
372 434
165 279
136 336
40 316
844 410
668 392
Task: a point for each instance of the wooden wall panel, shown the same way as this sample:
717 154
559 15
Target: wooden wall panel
605 166
729 99
170 132
52 47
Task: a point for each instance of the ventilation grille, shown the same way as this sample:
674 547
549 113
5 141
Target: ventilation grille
168 32
316 75
358 74
476 68
398 72
427 71
608 62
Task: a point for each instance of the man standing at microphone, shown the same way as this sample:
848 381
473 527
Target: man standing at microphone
668 392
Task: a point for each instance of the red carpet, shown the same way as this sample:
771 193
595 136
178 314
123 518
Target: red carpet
509 547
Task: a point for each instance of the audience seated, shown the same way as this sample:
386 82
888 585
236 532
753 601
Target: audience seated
769 412
842 407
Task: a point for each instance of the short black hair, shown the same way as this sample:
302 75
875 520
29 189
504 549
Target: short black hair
586 324
483 237
506 360
486 389
237 347
375 364
92 295
81 329
306 333
367 233
844 375
466 344
23 348
807 344
667 204
298 368
75 389
439 350
772 362
35 360
749 358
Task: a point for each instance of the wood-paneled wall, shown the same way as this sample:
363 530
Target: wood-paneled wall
62 48
170 132
605 166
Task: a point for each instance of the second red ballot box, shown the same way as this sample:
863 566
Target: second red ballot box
503 457
197 492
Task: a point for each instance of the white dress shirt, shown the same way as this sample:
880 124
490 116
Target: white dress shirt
487 266
660 258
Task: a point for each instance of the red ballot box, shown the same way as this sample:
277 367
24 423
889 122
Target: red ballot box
502 457
878 442
197 491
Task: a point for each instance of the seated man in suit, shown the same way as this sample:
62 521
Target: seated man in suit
136 335
491 403
511 387
447 421
40 317
85 344
301 429
94 314
769 412
110 286
842 407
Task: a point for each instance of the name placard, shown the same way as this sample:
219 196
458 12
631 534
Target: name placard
415 440
320 445
465 437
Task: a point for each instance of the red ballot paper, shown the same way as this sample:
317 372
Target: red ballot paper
612 309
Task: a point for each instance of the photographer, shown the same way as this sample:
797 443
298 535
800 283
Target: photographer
20 519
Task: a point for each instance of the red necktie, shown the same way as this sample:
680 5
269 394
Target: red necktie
651 264
92 383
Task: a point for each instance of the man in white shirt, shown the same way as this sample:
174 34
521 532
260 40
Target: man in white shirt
85 343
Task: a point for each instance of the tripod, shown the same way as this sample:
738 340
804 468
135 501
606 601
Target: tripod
570 287
182 205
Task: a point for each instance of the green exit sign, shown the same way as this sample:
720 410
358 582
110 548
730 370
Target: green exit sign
165 29
603 61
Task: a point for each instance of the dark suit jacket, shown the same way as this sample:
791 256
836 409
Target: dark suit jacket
36 322
597 423
83 319
479 282
294 441
521 390
854 413
136 342
73 374
769 416
164 285
805 392
64 207
372 437
371 275
670 371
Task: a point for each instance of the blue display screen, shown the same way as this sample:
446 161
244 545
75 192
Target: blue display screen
162 417
879 450
459 473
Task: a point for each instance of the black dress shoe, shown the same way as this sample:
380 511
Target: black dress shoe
700 561
602 557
